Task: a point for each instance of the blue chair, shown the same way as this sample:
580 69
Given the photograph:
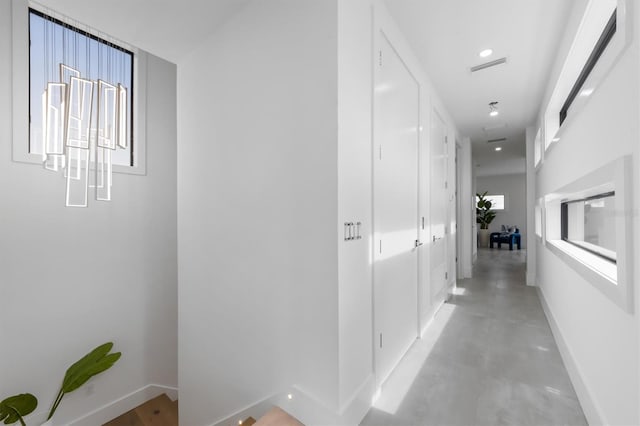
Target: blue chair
500 238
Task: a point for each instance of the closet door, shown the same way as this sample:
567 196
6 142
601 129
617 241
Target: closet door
395 164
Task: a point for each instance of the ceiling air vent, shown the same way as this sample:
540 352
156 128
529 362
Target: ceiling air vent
497 140
489 64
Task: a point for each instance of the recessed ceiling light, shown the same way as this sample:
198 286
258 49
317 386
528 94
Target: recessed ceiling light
494 113
586 92
555 139
498 148
485 53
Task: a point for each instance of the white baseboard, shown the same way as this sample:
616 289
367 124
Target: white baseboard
589 406
123 404
358 405
431 315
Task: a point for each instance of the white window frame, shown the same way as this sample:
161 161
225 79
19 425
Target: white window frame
20 90
504 204
614 280
593 23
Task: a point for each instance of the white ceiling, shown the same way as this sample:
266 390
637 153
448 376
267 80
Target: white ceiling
447 36
167 28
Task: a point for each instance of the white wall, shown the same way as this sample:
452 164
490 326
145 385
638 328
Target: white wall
257 173
467 213
474 191
355 296
274 156
531 203
514 189
601 339
71 279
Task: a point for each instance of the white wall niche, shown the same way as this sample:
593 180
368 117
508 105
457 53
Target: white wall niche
594 20
614 280
538 149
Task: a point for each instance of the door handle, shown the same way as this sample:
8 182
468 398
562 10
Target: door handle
418 243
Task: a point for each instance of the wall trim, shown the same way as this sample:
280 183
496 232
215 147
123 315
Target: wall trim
123 404
357 406
432 314
592 412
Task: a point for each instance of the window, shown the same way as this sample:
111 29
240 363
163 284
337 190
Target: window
57 50
601 45
497 201
590 224
587 224
601 37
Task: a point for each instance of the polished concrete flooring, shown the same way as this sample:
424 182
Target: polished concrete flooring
488 358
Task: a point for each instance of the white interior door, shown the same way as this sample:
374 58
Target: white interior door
439 205
395 209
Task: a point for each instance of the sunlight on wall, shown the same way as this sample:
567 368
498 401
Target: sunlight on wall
397 386
395 243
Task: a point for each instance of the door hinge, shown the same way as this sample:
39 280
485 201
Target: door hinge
422 222
380 57
446 275
380 246
380 340
446 185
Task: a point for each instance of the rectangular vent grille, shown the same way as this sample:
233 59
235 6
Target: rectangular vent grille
497 140
489 64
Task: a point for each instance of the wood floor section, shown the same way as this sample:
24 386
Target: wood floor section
159 411
277 417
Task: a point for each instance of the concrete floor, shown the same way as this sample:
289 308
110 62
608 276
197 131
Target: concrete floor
488 358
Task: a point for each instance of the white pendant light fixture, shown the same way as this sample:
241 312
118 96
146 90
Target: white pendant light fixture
85 120
493 109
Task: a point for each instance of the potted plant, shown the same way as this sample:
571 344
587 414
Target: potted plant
484 217
14 408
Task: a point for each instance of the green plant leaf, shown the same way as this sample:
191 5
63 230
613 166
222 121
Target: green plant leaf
95 362
82 376
89 359
12 409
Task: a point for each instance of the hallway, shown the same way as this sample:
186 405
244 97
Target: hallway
488 358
